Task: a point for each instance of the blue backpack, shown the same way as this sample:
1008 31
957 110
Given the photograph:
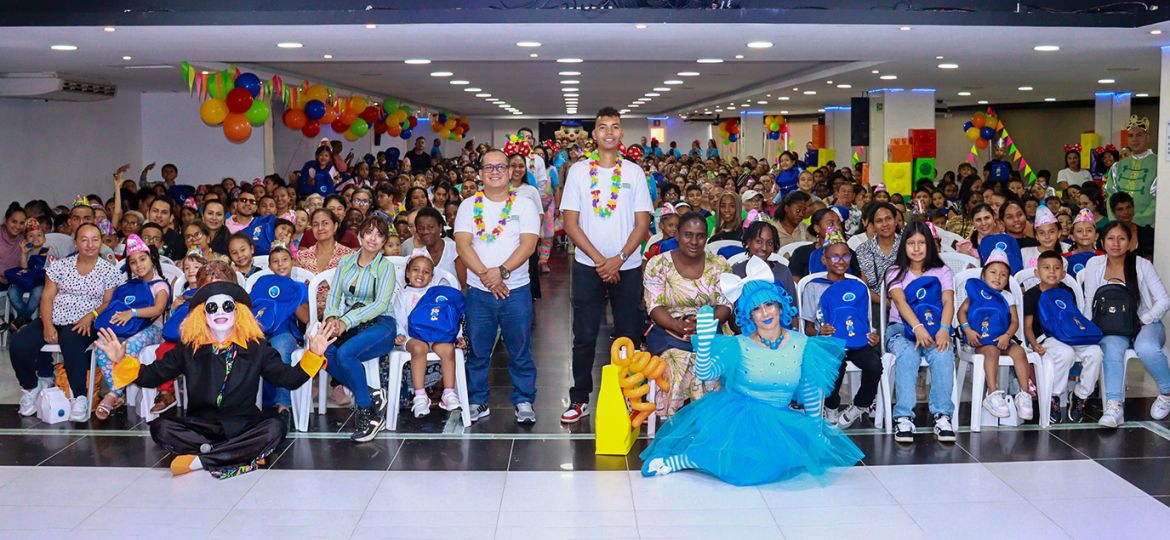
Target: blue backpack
275 300
845 307
727 252
436 316
170 329
988 312
29 278
263 232
815 264
924 296
1061 319
1005 242
134 294
1076 263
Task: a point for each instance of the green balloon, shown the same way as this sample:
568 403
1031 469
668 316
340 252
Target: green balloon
257 114
359 128
775 126
390 105
405 125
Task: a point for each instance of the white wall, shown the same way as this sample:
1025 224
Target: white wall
57 150
173 133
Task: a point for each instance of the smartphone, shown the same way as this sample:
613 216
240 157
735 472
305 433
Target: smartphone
29 245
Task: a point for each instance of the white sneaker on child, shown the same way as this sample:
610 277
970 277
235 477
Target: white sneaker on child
79 409
28 401
996 404
420 406
1161 407
450 401
1024 405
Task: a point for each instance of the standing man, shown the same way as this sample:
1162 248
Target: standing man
495 235
420 160
1137 173
606 210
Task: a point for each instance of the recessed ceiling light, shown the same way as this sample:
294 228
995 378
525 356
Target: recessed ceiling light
569 60
569 73
640 26
759 44
739 57
492 100
652 94
783 98
634 105
731 106
1025 88
517 112
820 110
441 74
289 45
568 89
710 60
889 77
672 82
939 57
810 92
904 28
624 111
534 55
327 56
483 95
572 95
1105 81
1155 32
127 58
688 74
371 26
783 112
570 81
844 86
948 66
472 89
527 43
1142 94
417 61
964 93
63 47
662 89
458 82
983 102
1046 48
795 89
110 29
761 102
1050 99
828 82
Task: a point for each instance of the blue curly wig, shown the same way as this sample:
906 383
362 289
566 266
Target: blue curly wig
756 293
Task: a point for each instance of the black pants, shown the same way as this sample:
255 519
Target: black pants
869 361
588 297
188 436
29 362
534 275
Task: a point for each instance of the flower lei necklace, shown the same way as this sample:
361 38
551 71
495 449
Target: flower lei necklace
481 227
615 187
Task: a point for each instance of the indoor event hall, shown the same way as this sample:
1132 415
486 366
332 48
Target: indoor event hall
543 269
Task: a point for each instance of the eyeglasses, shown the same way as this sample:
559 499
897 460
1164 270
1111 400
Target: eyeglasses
194 236
494 168
361 202
247 201
840 258
150 238
211 308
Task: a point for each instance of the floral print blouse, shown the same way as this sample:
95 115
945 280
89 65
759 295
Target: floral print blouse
666 287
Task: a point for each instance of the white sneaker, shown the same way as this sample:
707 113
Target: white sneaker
996 404
525 414
1161 407
831 415
851 415
1024 405
1114 414
28 401
450 402
420 406
79 409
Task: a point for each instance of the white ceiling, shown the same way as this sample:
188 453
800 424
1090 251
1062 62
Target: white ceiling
621 62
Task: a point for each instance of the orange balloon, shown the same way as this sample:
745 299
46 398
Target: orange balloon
295 118
330 116
981 143
237 128
393 130
349 116
979 120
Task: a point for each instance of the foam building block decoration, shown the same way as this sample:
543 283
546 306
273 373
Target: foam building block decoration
897 177
924 169
923 143
818 135
1089 141
825 155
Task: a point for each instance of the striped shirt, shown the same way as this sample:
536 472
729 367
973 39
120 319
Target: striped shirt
372 286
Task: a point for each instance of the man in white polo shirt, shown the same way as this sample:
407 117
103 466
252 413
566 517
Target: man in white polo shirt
495 234
606 210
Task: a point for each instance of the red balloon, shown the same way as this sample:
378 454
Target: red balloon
370 114
380 128
295 118
413 121
236 126
311 128
339 126
239 100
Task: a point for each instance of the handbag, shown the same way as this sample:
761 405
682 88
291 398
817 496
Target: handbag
659 340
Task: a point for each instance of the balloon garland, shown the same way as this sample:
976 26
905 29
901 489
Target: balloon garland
775 126
640 368
449 126
729 130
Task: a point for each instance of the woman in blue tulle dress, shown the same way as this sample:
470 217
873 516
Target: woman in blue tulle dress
746 433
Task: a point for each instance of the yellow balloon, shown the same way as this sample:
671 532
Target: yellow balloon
973 133
349 136
449 124
213 111
458 137
358 104
317 92
445 132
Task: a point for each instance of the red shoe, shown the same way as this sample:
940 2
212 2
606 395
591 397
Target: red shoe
574 413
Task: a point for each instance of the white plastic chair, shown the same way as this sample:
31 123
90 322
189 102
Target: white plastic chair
260 261
786 250
298 274
171 272
949 239
714 247
882 406
958 262
856 240
967 355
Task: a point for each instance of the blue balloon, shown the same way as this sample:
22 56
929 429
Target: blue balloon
967 125
405 134
442 118
733 137
249 82
987 133
314 109
775 135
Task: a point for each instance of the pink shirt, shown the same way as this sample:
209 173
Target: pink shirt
945 278
234 227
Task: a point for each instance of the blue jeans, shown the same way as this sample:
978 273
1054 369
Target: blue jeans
908 359
345 361
279 396
1148 346
19 306
513 317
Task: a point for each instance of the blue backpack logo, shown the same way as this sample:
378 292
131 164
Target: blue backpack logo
1061 319
924 295
845 307
1076 262
436 316
275 300
263 232
988 312
134 294
1003 242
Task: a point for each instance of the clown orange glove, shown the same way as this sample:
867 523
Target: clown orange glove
126 371
312 362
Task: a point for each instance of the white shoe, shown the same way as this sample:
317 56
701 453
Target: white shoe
1161 407
1024 406
831 415
79 409
28 401
420 406
450 402
851 415
996 404
1113 416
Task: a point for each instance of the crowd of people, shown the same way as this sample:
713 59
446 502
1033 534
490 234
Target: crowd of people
684 248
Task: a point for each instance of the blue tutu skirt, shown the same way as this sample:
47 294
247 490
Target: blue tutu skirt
744 441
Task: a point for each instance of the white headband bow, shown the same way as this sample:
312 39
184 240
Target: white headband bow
756 270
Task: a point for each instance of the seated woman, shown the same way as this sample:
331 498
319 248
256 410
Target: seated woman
677 284
760 241
746 434
223 356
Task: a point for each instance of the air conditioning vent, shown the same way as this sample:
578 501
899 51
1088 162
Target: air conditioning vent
54 87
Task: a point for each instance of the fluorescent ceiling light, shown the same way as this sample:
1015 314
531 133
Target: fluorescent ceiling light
572 95
483 95
672 82
63 47
570 81
687 74
527 43
662 89
983 102
110 29
652 94
458 82
568 89
844 86
417 61
127 58
783 112
569 60
327 56
1155 32
472 89
739 57
964 93
1049 99
1105 81
759 44
948 66
783 98
710 60
1142 94
569 73
1025 88
534 55
761 102
889 77
905 29
289 45
640 26
441 74
810 92
1046 48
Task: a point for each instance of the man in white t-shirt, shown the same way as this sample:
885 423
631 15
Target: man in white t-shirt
606 210
495 242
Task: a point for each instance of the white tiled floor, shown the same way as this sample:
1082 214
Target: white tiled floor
1034 500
